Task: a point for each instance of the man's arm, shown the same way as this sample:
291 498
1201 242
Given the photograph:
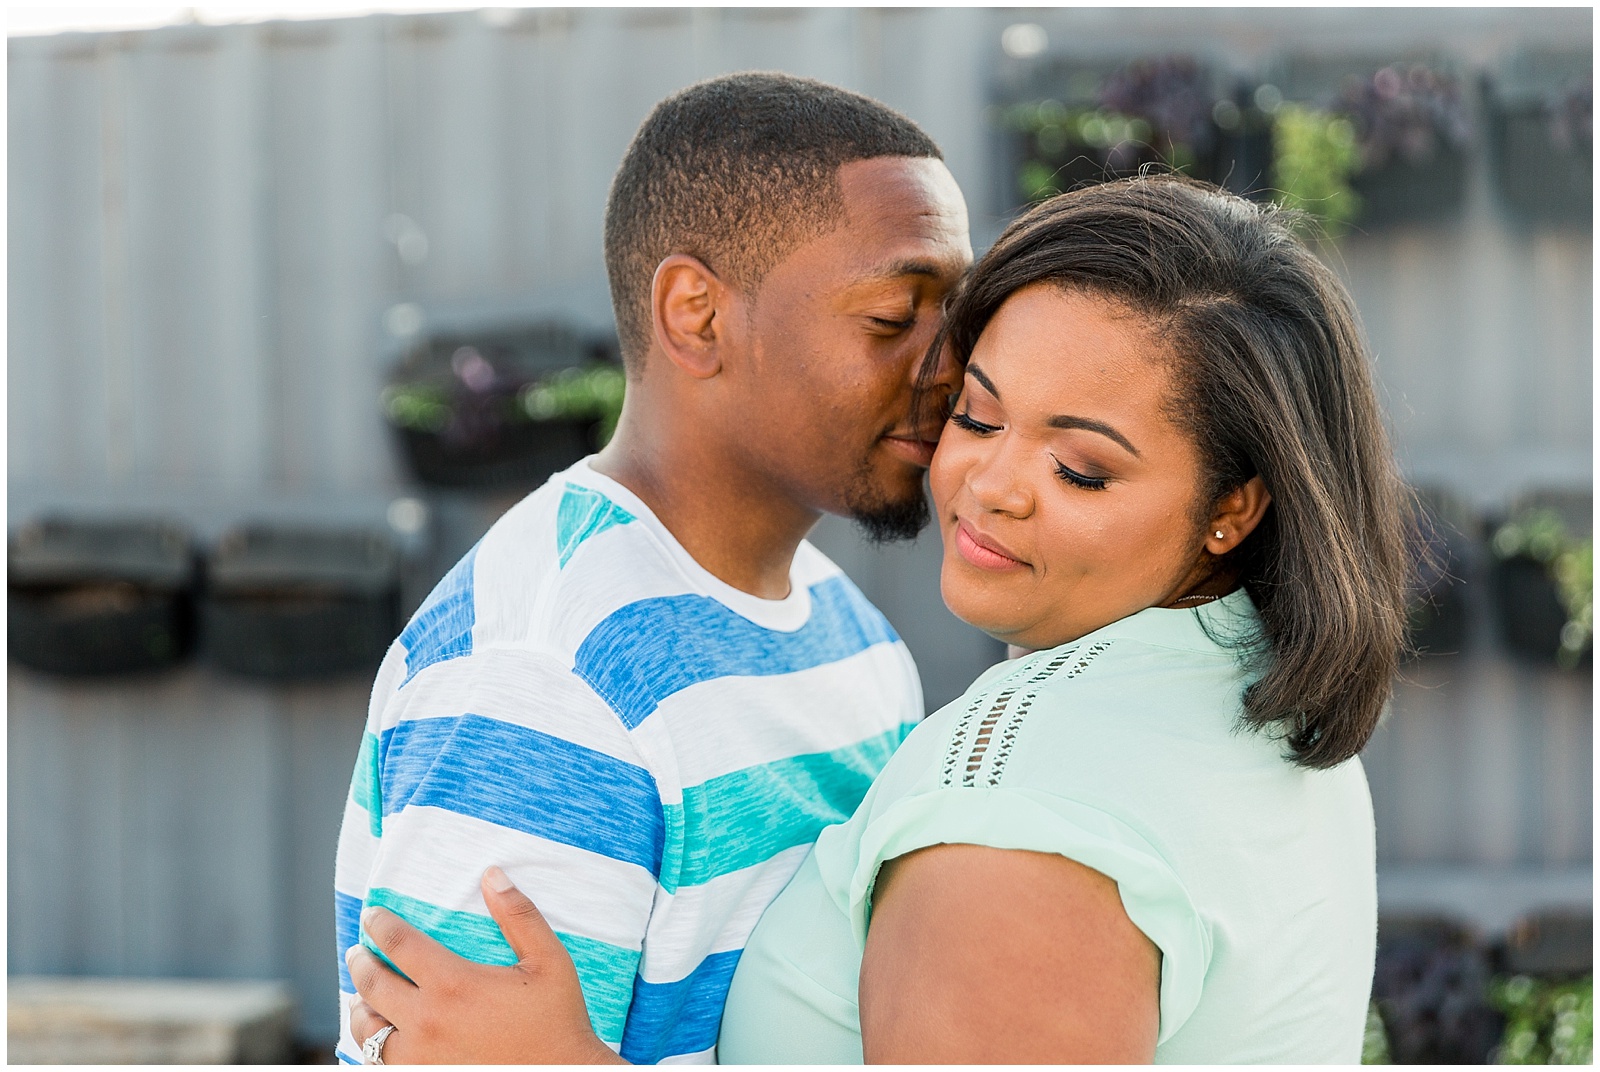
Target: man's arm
505 758
446 1009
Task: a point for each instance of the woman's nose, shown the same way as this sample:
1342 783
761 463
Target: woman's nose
996 482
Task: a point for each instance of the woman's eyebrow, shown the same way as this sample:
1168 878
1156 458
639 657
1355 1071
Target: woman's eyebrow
1087 424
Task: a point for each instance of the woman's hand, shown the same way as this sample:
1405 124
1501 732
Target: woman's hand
447 1009
1000 956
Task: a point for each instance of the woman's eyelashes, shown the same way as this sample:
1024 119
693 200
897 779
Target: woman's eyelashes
965 422
1082 480
890 325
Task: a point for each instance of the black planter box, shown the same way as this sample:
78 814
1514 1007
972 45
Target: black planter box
1402 192
1444 561
288 603
1528 607
1539 182
94 598
483 438
518 454
1555 944
1431 986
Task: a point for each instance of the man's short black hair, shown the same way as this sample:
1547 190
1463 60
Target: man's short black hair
737 171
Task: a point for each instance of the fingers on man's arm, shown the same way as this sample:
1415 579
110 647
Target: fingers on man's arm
377 984
416 955
524 926
987 955
365 1022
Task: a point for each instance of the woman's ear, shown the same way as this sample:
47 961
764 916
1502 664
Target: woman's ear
1236 515
688 305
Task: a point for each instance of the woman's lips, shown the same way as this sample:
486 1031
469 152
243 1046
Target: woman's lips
982 552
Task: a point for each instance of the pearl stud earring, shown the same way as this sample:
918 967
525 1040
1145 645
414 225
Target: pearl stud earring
1219 534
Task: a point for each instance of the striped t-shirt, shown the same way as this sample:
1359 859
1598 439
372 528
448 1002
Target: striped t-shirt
647 751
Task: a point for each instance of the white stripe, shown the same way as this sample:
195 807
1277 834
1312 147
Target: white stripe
716 917
357 849
518 686
704 1057
439 857
739 722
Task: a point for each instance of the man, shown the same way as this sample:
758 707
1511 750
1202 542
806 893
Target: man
643 694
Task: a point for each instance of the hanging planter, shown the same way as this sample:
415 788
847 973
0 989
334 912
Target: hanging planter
1162 111
1544 150
501 410
1371 150
93 598
1412 134
1544 587
284 603
1438 608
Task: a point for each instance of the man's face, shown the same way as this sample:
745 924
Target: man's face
838 330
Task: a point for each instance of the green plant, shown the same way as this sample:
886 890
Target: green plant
1541 535
591 393
1313 159
1053 129
1546 1022
420 407
1374 1040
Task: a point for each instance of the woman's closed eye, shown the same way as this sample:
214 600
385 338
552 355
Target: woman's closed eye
965 422
1082 480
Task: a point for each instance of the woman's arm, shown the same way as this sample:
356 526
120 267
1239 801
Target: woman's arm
1001 956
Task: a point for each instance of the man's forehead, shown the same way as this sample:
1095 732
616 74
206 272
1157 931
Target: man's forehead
902 188
905 218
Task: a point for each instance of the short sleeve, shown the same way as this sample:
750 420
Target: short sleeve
1011 818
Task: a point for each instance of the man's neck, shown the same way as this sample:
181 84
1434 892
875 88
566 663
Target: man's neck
741 531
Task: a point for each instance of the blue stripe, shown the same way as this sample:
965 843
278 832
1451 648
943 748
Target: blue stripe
682 1017
646 651
345 1058
442 628
347 929
519 778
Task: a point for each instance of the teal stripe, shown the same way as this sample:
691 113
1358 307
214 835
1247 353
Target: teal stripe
605 971
744 818
366 786
583 513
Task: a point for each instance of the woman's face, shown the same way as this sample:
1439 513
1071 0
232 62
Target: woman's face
1066 497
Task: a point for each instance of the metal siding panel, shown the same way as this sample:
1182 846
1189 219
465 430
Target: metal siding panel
324 726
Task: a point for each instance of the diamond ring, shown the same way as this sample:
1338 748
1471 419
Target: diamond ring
372 1049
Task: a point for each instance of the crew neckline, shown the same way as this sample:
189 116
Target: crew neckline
784 615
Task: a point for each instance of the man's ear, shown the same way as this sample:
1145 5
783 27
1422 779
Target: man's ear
689 309
1236 515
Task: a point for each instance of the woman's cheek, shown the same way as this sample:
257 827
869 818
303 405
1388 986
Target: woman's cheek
943 478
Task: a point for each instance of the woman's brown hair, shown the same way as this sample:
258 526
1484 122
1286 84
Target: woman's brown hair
1273 380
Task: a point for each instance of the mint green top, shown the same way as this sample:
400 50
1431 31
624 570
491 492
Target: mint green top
1122 750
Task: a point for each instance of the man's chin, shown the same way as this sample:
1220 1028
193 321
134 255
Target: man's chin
893 521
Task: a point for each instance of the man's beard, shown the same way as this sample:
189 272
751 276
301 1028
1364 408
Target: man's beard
884 520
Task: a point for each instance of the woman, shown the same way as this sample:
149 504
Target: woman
1149 840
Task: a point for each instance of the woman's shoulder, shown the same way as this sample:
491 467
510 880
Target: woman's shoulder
1127 720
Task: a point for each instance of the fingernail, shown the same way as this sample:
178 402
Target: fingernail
367 915
348 953
497 879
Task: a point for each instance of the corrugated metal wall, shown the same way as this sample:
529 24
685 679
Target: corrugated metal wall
199 275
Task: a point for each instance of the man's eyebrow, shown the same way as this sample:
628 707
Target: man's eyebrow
1062 420
899 270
